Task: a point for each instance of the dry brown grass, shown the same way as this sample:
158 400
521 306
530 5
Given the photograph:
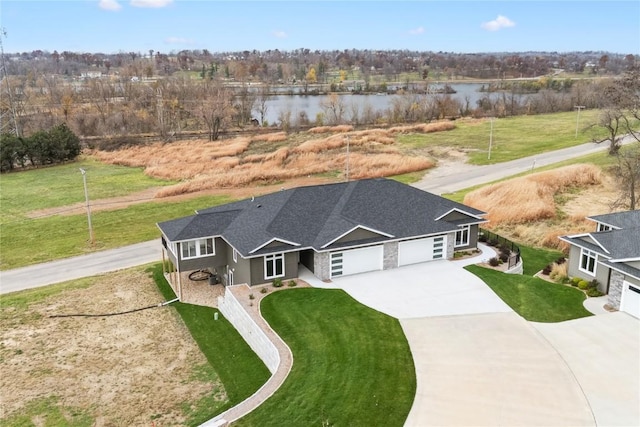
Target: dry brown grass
270 137
331 129
262 159
424 127
530 198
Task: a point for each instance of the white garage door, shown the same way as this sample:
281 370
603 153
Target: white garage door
355 261
421 250
630 299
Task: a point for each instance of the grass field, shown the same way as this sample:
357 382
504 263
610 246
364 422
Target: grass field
62 185
352 365
238 367
534 299
513 137
31 241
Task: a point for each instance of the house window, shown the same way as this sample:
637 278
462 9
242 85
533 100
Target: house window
197 248
603 227
235 256
273 266
588 261
462 236
438 246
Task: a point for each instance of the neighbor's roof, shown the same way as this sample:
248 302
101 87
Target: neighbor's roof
613 244
316 216
626 219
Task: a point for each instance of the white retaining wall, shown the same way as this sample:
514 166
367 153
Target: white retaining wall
250 331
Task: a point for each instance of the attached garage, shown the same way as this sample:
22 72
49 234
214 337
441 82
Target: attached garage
421 250
630 301
355 261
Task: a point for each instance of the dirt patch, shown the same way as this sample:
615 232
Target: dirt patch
150 195
132 369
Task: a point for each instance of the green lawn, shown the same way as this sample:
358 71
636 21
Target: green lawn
352 365
62 185
534 299
513 137
241 371
31 241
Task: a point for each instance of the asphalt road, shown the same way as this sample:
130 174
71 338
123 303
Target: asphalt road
143 253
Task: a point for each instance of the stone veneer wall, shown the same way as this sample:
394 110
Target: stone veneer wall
451 240
390 257
615 289
249 330
321 265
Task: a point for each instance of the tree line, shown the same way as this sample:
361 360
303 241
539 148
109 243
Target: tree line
44 147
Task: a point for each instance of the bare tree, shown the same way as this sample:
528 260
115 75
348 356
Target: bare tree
216 108
333 108
627 173
261 102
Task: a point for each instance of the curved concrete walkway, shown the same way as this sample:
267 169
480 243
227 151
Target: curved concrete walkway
273 383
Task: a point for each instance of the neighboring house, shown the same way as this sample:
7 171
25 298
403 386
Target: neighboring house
611 255
333 230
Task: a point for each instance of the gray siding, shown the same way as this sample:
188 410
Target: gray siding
454 216
241 269
473 238
291 260
358 234
214 261
602 271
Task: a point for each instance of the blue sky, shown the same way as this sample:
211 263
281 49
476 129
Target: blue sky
111 26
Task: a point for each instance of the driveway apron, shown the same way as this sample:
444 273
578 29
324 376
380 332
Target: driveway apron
604 354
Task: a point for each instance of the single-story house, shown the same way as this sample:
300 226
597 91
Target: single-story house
333 230
610 255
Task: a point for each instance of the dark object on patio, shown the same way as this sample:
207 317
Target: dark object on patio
200 275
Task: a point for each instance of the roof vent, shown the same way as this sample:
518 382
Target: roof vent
258 206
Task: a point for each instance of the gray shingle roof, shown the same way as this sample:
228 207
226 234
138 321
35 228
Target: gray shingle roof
627 219
621 244
315 216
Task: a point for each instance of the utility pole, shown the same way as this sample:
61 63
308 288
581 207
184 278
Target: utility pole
86 198
578 107
8 118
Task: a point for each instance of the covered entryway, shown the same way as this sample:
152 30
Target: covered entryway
421 250
630 301
354 261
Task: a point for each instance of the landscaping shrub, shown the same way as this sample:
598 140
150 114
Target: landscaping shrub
561 260
263 291
482 238
583 284
292 283
547 270
504 257
593 292
277 283
593 284
575 281
494 262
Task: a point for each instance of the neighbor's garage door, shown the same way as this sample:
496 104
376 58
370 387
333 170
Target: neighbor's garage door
355 261
630 299
421 250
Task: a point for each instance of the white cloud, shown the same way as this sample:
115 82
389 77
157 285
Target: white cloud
279 34
177 40
112 5
498 23
151 3
417 31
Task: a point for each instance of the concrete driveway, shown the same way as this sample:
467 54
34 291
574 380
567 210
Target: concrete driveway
479 363
603 353
436 288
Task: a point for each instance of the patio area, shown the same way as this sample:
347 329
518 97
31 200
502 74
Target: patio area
195 292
